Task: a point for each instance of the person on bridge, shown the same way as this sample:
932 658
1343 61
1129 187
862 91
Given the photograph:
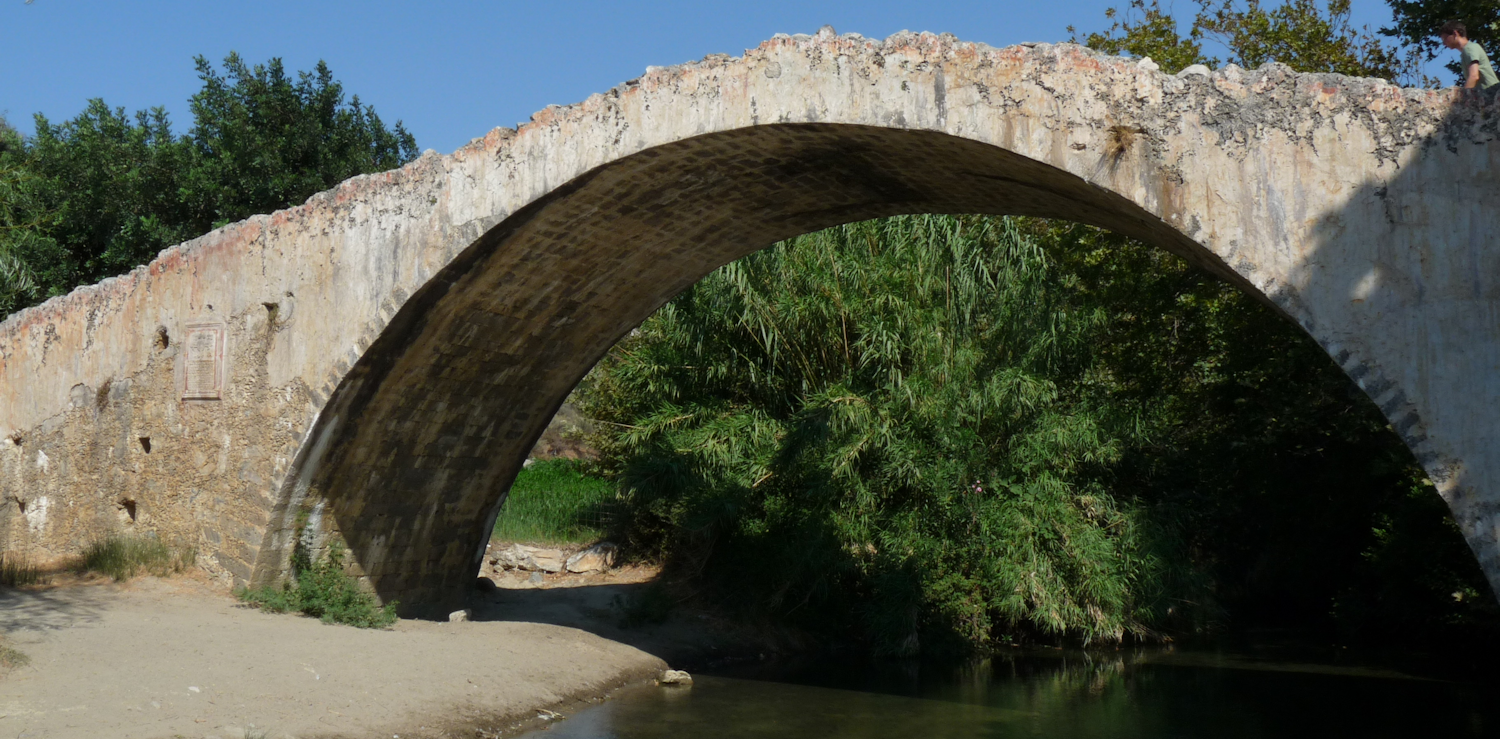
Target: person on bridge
1473 63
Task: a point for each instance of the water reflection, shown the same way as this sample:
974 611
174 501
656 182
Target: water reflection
1155 695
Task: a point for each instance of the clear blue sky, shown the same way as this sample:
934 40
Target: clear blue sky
453 70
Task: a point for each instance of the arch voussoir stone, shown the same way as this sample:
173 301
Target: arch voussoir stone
390 350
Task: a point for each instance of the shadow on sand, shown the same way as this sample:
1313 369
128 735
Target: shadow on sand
684 639
50 608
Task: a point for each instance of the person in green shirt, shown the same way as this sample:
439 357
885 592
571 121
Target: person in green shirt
1473 63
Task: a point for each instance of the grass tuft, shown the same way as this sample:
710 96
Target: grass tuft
324 591
556 501
16 570
123 556
11 657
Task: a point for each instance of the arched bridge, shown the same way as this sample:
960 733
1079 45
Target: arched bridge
377 362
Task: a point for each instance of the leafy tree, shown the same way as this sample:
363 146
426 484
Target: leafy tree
20 220
898 419
1302 36
17 282
1145 30
10 139
111 181
262 141
1297 33
1417 22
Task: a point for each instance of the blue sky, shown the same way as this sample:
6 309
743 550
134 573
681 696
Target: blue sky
453 70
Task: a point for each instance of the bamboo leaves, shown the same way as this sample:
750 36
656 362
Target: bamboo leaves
889 415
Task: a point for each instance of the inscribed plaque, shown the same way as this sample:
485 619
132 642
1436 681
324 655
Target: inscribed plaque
203 370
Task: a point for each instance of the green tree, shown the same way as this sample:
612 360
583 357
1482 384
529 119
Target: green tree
1145 30
111 182
263 141
1297 33
893 422
10 138
21 220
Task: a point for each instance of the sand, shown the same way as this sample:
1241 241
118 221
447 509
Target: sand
177 657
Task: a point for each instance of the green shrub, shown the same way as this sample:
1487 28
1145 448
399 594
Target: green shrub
324 591
892 424
123 556
556 501
16 570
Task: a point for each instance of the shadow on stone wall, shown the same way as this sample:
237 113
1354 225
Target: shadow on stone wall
1401 287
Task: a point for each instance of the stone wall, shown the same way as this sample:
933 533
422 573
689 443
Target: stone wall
394 347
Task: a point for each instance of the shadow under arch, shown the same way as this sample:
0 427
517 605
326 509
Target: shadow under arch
409 461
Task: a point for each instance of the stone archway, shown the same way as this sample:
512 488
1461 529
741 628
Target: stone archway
396 345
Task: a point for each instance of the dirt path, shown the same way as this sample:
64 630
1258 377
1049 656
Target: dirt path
165 658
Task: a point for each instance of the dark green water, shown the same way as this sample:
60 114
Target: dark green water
1156 695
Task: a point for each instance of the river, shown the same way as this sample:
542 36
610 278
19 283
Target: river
1155 694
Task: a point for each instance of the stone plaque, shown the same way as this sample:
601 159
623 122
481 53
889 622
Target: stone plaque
203 372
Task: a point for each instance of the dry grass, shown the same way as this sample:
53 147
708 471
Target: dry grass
17 570
123 557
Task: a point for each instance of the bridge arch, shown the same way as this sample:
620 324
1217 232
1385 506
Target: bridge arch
430 426
428 322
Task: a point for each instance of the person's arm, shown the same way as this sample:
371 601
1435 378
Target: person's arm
1471 75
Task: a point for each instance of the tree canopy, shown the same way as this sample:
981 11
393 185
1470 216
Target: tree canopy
261 140
1298 33
896 417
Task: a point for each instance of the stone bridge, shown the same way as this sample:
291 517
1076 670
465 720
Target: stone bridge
376 363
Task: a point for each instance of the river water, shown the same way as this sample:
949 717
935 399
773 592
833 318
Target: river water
1155 694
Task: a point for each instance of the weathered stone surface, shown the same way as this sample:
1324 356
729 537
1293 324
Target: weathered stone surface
395 346
675 677
596 558
523 557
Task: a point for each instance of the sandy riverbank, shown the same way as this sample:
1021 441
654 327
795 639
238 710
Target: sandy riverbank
167 658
